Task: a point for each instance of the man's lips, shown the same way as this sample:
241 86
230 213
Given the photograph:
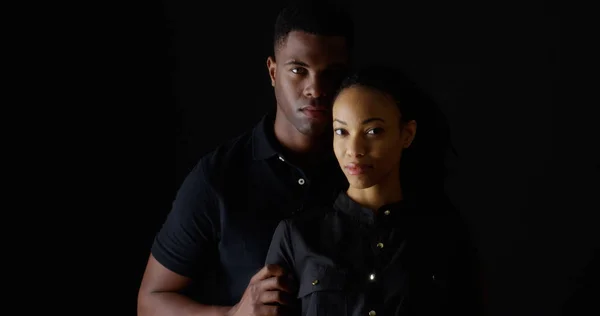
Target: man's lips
314 108
315 111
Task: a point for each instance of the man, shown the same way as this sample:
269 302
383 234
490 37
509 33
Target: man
219 230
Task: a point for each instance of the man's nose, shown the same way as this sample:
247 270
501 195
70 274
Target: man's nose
316 87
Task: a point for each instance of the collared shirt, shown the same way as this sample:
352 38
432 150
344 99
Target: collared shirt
227 208
402 259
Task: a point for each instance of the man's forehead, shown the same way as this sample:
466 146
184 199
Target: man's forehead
310 48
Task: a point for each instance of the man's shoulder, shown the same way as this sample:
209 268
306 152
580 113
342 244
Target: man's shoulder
238 147
213 164
233 152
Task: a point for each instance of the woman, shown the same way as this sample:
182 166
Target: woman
387 245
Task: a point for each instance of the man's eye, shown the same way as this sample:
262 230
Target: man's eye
299 71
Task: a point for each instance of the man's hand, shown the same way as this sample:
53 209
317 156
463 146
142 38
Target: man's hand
269 293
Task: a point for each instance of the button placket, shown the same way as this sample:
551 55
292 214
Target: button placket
380 236
377 239
386 223
301 179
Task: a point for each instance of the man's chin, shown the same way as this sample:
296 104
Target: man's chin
314 128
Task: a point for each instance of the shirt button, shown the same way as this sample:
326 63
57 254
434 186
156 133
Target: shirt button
387 212
380 245
315 282
301 181
372 276
372 313
281 158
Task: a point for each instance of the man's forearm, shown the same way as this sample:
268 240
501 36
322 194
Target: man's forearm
175 304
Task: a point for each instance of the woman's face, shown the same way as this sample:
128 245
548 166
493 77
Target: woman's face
368 137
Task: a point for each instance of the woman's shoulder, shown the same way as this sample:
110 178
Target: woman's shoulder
311 217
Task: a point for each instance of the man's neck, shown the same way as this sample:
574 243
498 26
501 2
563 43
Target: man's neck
299 148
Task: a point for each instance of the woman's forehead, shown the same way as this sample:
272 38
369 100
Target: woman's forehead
359 101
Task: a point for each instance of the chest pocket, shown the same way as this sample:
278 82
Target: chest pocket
321 290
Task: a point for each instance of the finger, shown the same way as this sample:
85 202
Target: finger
271 297
282 283
291 282
270 270
271 310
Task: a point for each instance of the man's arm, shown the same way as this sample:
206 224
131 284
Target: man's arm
265 295
183 249
272 291
159 295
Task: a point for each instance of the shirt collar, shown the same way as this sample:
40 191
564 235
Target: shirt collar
365 215
264 143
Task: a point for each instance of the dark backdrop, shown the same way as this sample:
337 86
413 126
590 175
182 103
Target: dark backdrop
525 178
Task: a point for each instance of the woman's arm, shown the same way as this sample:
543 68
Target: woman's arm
281 253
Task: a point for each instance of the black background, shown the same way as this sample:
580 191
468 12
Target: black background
187 76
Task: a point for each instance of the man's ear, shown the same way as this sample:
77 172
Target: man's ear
272 66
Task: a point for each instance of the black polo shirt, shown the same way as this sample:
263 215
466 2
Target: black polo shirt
406 258
226 210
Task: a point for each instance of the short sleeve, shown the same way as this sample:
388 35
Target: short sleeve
186 243
281 251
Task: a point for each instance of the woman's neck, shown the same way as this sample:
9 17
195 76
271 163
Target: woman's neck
374 197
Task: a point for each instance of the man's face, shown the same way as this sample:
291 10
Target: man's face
306 73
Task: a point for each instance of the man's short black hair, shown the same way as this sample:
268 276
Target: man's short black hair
313 17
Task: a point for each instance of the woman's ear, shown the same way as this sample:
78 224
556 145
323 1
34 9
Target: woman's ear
409 130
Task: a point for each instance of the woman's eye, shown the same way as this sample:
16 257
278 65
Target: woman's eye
339 131
375 131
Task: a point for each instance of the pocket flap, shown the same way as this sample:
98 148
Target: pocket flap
317 277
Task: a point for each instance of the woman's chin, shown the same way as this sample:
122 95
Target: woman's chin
360 182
